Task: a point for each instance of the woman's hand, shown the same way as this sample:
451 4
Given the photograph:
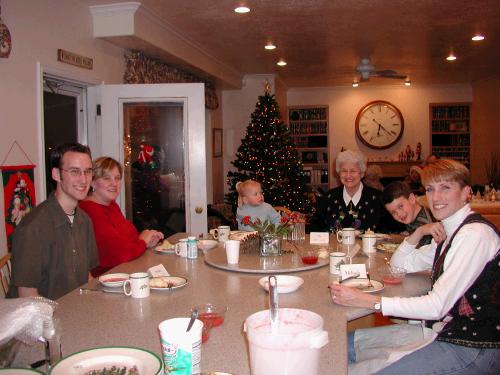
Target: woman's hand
151 237
346 296
436 230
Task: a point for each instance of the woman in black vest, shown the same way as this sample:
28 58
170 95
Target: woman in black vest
461 334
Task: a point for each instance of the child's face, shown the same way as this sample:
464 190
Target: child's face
404 210
253 196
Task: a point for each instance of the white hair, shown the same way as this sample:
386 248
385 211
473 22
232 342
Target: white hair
350 156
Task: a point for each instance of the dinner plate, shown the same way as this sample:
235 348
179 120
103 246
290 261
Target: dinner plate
165 248
207 244
113 280
286 283
387 246
172 282
97 359
361 284
165 251
19 371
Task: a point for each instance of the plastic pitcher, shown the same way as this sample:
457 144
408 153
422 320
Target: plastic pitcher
293 350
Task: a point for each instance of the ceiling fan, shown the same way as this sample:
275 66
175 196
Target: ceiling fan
367 70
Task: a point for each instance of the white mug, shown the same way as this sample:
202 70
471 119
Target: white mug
369 241
221 233
181 247
232 251
347 236
336 259
139 285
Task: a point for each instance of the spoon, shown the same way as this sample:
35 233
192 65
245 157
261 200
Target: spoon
353 276
194 315
273 303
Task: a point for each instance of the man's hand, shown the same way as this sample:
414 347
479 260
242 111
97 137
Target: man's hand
151 237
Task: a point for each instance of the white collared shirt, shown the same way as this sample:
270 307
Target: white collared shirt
355 198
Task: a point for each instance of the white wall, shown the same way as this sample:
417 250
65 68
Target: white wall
413 102
38 29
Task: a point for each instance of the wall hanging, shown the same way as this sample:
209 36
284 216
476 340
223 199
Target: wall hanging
5 39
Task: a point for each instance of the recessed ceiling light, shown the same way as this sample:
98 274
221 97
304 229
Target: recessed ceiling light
478 37
270 46
355 84
407 82
242 9
281 62
451 57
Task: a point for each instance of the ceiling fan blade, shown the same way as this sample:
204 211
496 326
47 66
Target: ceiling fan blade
395 76
385 72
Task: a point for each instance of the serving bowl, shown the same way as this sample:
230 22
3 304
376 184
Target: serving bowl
286 283
392 274
207 244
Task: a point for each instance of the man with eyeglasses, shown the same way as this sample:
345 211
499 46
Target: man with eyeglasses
53 247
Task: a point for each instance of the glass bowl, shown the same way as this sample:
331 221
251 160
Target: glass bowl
211 315
392 274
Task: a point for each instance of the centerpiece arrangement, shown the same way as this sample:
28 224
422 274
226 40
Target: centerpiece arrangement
271 234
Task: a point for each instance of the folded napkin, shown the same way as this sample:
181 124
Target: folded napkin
158 271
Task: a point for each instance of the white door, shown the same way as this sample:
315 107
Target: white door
157 132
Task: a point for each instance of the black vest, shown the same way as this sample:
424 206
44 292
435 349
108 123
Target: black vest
476 315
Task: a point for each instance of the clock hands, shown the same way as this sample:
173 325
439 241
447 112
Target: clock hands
380 126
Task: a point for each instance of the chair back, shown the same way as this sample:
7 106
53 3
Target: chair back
5 272
282 210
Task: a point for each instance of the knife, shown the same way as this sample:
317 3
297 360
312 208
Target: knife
89 290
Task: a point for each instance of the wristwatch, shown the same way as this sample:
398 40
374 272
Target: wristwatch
377 306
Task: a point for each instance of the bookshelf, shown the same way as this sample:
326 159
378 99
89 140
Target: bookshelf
450 131
309 131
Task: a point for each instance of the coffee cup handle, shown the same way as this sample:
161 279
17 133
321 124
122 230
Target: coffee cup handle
214 233
127 282
339 240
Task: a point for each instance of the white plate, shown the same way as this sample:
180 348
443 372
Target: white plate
97 359
207 244
165 247
113 280
174 281
362 284
19 371
388 247
165 251
286 284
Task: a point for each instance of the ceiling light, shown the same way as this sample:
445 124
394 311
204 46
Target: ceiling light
270 46
242 9
281 62
451 57
407 82
355 84
478 37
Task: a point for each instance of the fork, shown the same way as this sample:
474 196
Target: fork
369 280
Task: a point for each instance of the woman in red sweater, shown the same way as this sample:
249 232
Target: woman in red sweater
118 241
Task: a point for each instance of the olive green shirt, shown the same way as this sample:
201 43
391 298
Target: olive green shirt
51 254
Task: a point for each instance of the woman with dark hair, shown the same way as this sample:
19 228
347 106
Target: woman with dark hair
118 241
461 330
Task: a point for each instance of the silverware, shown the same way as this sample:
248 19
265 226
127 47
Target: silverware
353 276
273 303
194 315
90 290
369 280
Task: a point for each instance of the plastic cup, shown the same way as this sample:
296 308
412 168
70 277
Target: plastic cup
181 350
232 251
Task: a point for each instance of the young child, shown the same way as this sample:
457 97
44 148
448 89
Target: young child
402 204
251 203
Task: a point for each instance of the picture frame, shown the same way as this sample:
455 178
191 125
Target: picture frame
217 143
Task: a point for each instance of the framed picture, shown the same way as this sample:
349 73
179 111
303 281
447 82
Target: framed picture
217 143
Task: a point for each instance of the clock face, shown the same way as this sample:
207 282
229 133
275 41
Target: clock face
379 124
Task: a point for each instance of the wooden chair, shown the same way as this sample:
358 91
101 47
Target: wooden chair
282 210
5 272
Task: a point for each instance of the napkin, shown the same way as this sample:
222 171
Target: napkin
158 271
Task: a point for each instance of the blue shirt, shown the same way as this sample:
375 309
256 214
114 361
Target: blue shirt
263 212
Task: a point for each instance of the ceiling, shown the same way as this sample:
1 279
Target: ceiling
323 40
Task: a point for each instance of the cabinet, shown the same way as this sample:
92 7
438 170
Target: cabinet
309 131
450 131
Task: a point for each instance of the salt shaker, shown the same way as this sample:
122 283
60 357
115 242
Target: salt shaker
192 248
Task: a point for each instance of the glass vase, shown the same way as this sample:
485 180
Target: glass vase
270 245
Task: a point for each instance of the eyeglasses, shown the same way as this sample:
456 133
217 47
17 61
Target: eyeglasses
75 172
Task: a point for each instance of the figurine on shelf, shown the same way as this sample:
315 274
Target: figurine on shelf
408 153
401 156
418 151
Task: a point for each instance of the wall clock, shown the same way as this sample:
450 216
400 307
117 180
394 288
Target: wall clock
379 124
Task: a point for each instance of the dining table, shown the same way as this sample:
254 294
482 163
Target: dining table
100 319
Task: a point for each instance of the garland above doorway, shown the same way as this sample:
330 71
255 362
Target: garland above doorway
143 69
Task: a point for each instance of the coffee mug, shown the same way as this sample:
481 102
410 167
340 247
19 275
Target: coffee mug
139 285
346 236
221 233
336 259
181 247
369 241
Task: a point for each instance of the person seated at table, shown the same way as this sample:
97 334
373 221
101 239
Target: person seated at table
352 204
372 177
461 334
402 204
251 206
118 241
53 247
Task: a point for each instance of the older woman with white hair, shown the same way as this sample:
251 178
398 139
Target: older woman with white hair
352 204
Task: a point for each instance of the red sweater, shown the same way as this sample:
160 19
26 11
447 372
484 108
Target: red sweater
117 239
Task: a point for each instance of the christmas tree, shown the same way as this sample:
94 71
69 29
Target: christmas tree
268 155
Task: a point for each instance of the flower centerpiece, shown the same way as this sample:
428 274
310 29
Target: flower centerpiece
271 234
